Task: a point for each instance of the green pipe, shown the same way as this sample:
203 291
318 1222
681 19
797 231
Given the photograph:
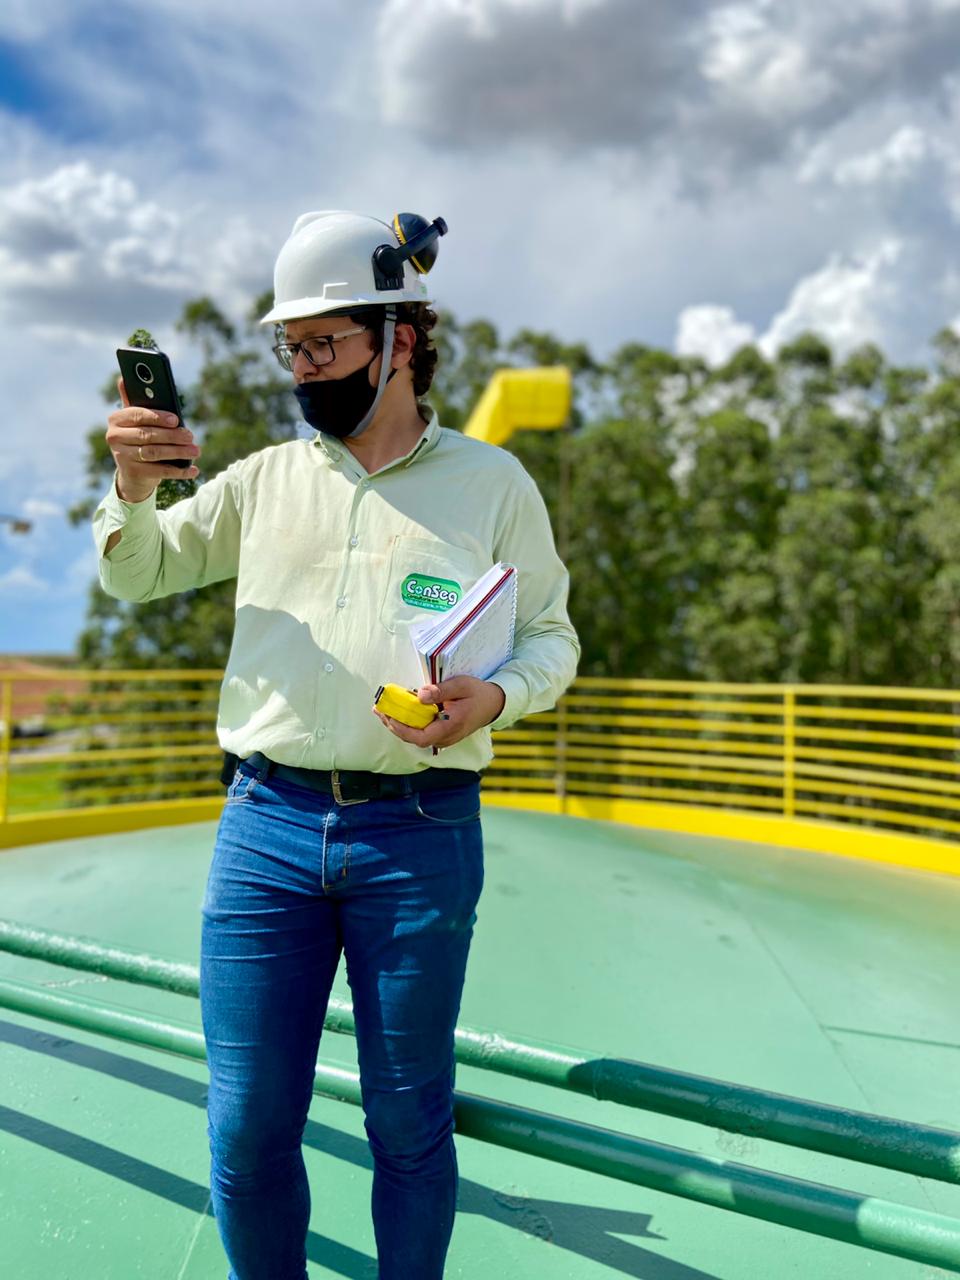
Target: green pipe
93 957
871 1223
75 952
921 1150
865 1221
105 1019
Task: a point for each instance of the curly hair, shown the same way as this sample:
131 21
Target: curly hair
423 358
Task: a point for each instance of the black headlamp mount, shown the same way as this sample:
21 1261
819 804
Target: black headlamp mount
418 245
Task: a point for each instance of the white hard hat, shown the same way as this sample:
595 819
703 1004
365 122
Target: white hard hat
334 259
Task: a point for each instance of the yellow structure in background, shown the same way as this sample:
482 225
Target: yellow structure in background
521 399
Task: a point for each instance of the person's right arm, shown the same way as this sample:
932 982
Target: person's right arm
146 553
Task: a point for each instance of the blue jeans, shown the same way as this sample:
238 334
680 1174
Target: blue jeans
295 879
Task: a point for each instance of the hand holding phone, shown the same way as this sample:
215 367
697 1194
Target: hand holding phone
147 437
149 383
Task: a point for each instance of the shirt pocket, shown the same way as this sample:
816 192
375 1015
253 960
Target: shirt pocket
426 577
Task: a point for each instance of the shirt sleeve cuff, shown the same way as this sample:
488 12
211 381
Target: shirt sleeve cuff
515 691
114 513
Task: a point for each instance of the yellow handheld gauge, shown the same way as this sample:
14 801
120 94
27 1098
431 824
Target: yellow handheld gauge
404 705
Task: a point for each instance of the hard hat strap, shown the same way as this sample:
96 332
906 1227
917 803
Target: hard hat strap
389 326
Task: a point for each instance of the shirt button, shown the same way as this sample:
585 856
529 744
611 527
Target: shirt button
328 666
342 600
364 484
354 540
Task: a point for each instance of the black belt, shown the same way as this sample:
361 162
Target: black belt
353 785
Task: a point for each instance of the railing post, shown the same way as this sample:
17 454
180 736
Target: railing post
565 448
789 744
560 776
6 714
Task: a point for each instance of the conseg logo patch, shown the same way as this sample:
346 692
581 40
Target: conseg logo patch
430 593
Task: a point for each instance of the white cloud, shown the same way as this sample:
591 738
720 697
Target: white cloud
76 245
41 508
712 332
758 67
719 89
842 301
22 581
896 161
83 249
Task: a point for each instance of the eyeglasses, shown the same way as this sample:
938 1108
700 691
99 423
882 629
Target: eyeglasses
319 351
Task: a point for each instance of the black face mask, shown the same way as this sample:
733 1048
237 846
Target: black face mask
336 405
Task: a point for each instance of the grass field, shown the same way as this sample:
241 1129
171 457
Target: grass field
36 792
55 787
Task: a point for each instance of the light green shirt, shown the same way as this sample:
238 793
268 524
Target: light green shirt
321 551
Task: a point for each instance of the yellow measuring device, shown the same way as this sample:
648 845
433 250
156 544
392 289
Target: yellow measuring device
404 705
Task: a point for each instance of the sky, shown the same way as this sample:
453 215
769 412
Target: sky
692 175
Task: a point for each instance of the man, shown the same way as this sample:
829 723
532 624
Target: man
342 831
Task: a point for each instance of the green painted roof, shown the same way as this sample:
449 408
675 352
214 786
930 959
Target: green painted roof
814 976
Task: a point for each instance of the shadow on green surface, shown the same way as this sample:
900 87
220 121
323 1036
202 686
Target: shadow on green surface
580 1229
159 1182
887 1035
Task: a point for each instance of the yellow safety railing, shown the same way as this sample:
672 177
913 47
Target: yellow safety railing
75 739
859 753
883 759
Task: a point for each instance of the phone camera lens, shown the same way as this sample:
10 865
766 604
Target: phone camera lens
143 371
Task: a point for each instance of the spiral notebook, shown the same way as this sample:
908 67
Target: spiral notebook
475 637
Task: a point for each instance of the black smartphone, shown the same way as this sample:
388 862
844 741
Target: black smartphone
148 379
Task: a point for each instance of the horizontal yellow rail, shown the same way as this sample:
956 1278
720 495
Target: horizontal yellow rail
61 721
204 785
880 793
859 692
135 697
678 686
888 739
865 814
738 707
72 775
928 764
692 774
673 704
730 798
532 784
613 755
774 750
170 737
23 763
77 675
914 785
868 714
859 757
692 725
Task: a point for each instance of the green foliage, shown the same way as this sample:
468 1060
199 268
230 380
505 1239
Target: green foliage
143 339
731 503
808 351
785 518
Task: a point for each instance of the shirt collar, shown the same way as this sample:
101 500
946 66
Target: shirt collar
334 450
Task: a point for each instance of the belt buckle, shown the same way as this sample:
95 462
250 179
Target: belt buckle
337 793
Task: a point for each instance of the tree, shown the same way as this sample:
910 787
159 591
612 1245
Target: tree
785 518
731 506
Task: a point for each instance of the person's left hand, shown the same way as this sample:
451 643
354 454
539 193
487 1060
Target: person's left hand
468 704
